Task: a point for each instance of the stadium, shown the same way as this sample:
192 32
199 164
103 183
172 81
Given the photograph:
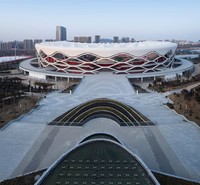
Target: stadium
148 59
104 131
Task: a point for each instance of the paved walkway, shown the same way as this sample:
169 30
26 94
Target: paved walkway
179 90
193 86
104 84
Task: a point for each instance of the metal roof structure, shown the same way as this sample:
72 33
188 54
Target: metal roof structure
98 161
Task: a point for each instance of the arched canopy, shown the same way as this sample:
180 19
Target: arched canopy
98 162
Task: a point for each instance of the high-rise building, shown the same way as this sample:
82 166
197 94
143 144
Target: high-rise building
28 44
2 46
5 45
97 39
115 39
61 33
83 39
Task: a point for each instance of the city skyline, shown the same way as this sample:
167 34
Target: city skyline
142 20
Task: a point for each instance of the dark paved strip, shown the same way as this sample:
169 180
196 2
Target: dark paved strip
36 159
160 156
164 155
42 151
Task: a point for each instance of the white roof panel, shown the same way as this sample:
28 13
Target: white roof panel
106 50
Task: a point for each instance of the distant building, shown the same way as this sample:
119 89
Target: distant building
61 33
106 40
18 44
5 45
28 44
37 41
83 39
97 39
116 39
2 46
125 39
76 39
49 40
132 40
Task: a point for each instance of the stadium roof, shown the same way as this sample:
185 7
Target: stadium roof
135 45
106 50
98 161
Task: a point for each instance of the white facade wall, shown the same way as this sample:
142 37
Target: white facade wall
37 75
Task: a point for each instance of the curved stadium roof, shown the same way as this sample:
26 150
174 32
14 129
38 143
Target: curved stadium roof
106 50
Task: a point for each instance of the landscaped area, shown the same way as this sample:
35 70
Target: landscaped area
17 98
187 103
12 111
161 85
186 100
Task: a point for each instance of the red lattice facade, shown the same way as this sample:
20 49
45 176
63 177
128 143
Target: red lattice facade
121 63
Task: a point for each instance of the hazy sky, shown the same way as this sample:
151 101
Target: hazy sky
140 19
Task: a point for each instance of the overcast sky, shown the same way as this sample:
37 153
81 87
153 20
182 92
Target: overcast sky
139 19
